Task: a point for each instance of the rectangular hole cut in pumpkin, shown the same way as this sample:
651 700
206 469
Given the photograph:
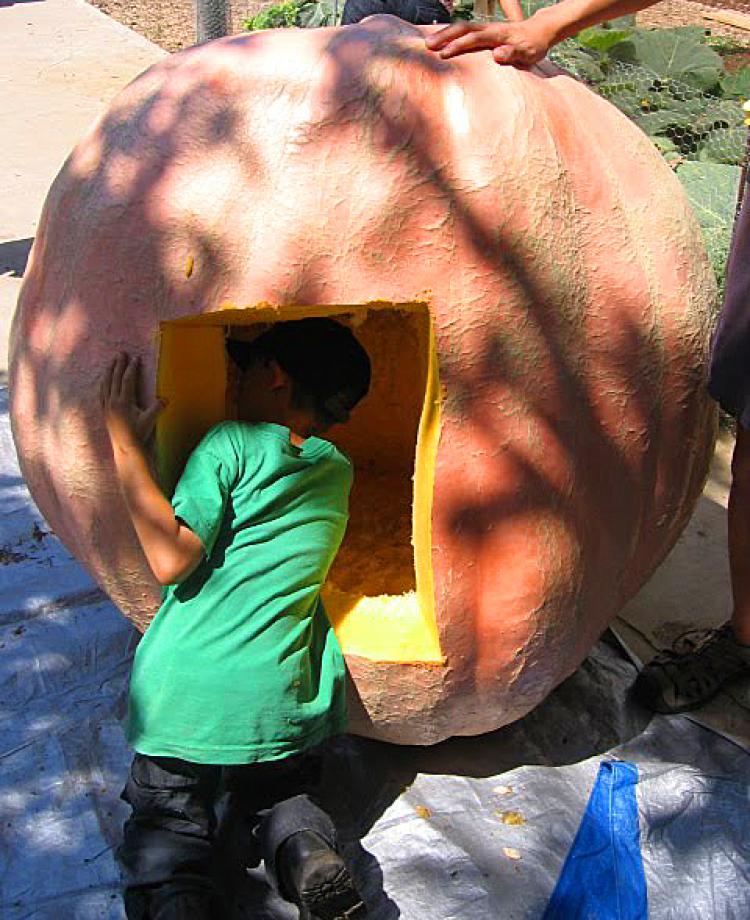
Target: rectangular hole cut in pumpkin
379 594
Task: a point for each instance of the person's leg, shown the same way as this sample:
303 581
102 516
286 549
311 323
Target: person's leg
299 844
302 859
703 661
167 849
357 10
253 792
418 12
739 536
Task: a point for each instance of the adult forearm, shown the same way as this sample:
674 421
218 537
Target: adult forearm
571 16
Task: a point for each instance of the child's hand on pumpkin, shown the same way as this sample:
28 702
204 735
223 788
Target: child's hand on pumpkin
520 43
127 422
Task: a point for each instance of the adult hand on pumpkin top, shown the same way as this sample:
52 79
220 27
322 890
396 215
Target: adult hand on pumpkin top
527 41
519 43
127 422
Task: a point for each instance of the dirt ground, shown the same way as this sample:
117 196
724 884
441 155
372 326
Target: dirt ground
171 23
168 23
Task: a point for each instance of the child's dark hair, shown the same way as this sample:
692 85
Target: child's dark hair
329 368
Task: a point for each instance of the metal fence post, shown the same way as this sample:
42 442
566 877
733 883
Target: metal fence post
212 19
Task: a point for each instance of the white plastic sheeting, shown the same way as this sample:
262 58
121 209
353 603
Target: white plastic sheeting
472 828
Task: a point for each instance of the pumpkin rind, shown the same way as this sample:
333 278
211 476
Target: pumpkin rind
568 289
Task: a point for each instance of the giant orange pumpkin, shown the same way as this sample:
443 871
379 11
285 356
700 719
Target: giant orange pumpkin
526 274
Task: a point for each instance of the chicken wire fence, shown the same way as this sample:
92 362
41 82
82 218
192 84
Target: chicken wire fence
674 84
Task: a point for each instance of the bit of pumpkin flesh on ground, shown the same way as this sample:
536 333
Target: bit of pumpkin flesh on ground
511 817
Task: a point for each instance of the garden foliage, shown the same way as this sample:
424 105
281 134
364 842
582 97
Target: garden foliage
305 14
671 83
674 86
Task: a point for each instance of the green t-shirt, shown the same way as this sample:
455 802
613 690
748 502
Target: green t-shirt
240 663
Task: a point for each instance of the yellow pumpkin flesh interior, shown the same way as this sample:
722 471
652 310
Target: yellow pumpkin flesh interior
379 594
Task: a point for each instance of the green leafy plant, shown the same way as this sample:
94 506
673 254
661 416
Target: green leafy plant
725 45
463 10
737 84
305 14
602 38
671 83
679 55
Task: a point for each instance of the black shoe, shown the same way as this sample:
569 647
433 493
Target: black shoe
313 875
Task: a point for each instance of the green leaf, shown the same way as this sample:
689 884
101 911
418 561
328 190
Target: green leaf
693 106
724 145
314 14
631 76
673 54
723 114
309 14
725 45
665 145
712 190
462 13
737 84
635 100
579 62
621 22
601 39
653 123
279 16
628 101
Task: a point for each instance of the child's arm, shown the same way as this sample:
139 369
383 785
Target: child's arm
528 41
172 549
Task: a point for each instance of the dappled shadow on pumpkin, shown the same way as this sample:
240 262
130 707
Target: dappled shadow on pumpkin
611 485
127 157
560 399
130 155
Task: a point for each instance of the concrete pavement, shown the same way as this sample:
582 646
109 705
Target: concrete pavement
61 63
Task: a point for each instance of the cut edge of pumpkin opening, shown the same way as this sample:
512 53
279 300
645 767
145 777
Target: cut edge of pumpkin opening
379 595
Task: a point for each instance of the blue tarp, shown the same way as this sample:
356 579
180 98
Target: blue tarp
603 873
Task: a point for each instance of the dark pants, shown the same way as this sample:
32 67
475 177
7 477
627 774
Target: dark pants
419 12
174 846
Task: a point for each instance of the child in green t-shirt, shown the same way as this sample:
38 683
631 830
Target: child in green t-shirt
240 673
